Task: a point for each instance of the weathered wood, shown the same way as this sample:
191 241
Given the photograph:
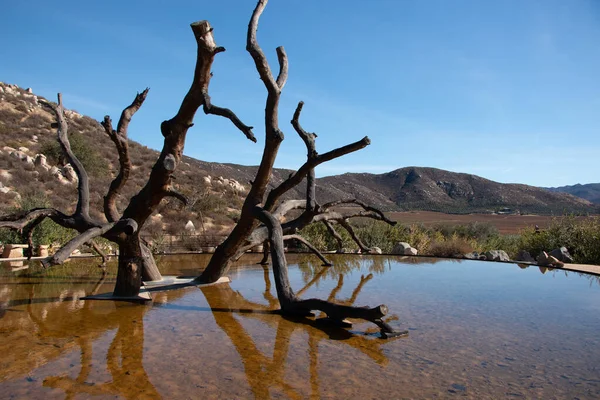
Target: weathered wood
119 138
288 301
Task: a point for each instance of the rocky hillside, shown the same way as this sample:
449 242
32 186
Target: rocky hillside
590 191
33 173
418 188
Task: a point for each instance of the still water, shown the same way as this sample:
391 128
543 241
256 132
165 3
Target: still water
476 330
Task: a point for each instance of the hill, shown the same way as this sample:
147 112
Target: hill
590 191
419 188
32 174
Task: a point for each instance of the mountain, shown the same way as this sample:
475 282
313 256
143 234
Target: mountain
32 174
590 191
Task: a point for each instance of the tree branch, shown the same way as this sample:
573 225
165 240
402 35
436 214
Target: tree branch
112 228
210 108
335 234
288 301
262 65
326 263
295 178
179 196
119 138
83 202
365 206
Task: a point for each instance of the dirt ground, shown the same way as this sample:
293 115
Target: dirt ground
506 224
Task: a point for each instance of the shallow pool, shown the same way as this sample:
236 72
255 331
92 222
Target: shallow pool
476 329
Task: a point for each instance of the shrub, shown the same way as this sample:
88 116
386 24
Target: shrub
452 247
92 161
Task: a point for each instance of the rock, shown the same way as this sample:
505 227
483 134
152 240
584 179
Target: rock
28 160
545 260
411 252
54 171
400 248
496 255
524 256
190 227
40 161
375 250
404 249
16 154
29 90
8 149
472 256
4 189
207 180
562 255
23 149
34 138
69 173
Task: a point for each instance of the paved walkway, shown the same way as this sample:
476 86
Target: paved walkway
590 269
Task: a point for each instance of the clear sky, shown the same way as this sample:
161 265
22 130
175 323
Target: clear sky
508 90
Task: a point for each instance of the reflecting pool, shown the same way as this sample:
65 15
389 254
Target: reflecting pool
476 330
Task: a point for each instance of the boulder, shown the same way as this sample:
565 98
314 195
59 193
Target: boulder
4 189
496 255
40 161
404 249
524 256
375 250
562 255
546 260
24 149
411 252
54 171
28 160
16 154
69 173
190 227
472 256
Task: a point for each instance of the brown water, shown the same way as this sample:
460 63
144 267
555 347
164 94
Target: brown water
477 330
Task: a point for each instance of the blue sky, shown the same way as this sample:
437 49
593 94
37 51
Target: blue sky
507 90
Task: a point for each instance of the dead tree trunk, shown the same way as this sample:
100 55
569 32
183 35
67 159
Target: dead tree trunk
291 305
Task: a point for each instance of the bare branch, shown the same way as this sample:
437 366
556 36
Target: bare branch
262 65
20 220
344 223
98 250
174 130
290 304
335 234
174 193
127 226
83 189
210 108
119 138
312 248
283 67
295 178
365 206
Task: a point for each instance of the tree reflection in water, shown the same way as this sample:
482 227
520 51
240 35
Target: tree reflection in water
264 373
62 322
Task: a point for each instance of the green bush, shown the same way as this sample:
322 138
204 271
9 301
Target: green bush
92 161
581 236
45 233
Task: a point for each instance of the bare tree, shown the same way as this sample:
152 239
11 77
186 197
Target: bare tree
261 204
135 260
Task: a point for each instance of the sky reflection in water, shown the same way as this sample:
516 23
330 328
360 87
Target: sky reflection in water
483 330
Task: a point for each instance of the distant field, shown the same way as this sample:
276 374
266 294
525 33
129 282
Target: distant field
505 223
